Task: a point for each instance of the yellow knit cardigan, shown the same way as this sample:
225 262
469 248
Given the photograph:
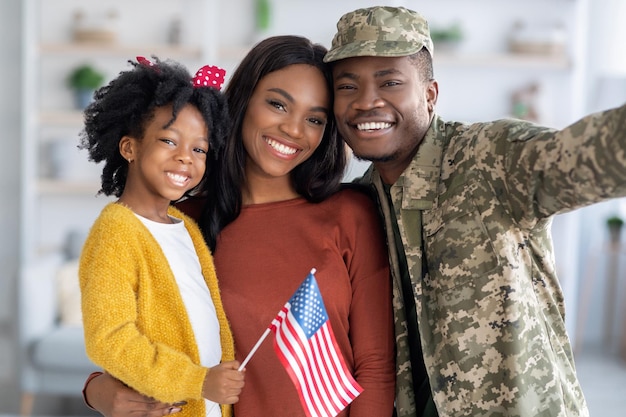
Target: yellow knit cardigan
136 326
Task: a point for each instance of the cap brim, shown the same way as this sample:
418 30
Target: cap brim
373 48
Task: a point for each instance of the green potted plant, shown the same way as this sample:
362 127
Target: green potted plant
84 80
615 224
447 38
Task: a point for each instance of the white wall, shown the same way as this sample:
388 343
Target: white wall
604 87
9 197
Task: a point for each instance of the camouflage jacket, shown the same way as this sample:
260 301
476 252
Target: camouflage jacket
490 310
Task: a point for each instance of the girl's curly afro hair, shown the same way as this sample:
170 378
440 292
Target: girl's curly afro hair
127 104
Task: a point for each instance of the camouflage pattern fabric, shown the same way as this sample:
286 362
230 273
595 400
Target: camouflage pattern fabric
405 400
380 31
491 310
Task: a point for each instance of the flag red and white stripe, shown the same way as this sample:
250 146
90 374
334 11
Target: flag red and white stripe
306 346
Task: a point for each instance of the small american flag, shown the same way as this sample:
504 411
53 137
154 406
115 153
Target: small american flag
306 346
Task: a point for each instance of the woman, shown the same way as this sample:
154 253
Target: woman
279 214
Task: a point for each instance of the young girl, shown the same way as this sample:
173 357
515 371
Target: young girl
153 316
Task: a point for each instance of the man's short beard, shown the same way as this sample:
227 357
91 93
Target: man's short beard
375 159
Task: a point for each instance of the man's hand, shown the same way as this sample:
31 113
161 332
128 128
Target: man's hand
112 398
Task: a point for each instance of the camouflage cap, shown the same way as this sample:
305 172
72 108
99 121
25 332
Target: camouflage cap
380 31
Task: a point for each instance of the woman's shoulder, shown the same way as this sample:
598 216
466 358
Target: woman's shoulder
352 193
353 198
354 210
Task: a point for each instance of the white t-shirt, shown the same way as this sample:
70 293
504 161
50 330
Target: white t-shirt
181 255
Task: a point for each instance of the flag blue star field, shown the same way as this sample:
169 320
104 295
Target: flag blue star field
306 346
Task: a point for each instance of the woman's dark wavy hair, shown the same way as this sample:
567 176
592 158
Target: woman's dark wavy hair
128 103
315 179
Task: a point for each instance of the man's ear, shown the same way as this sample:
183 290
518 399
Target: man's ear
432 93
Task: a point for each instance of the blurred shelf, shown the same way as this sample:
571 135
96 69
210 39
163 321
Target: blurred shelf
451 58
61 118
95 49
43 251
55 187
504 61
234 53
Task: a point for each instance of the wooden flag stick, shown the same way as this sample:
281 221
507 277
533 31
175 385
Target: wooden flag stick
254 349
261 339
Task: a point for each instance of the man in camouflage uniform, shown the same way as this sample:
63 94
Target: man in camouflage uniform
476 200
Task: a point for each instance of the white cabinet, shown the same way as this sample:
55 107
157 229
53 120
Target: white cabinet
58 183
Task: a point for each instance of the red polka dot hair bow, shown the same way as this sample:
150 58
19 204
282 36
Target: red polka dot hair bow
209 76
146 62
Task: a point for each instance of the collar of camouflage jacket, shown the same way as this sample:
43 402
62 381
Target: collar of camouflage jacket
420 179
